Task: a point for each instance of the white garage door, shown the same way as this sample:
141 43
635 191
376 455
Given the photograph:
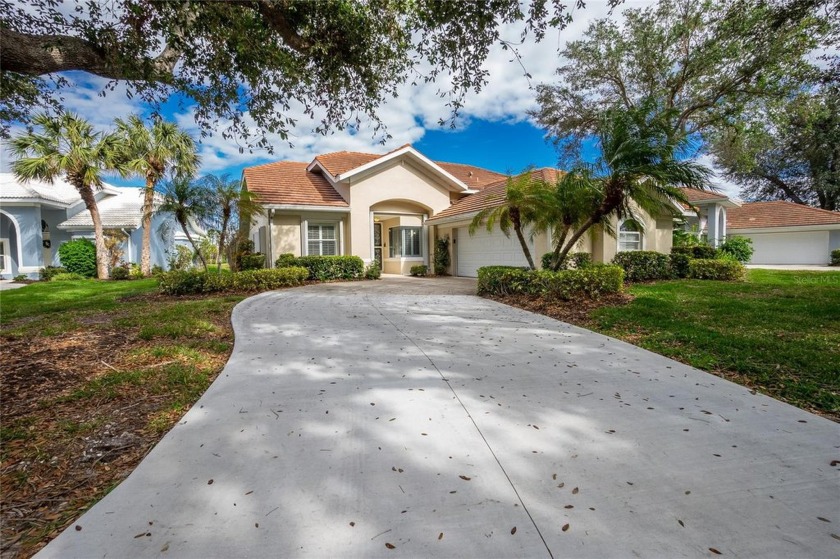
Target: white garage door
488 249
789 248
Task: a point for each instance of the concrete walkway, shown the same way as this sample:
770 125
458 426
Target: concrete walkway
794 267
9 284
367 420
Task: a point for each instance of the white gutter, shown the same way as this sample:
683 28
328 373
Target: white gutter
307 208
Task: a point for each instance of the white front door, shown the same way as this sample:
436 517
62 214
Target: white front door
488 249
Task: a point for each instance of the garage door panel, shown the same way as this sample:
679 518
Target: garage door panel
790 248
487 249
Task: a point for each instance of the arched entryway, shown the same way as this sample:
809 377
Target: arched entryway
399 235
10 254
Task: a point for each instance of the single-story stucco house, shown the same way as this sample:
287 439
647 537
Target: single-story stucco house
786 233
392 207
36 217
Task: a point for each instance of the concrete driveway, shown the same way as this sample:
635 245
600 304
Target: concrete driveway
385 419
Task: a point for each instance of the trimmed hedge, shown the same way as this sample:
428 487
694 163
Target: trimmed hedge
696 251
192 282
574 260
120 273
644 265
591 282
373 272
716 269
324 268
835 257
679 265
49 272
419 271
78 257
737 247
252 261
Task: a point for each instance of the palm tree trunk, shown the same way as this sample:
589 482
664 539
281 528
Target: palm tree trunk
225 219
517 227
98 234
558 246
192 242
146 250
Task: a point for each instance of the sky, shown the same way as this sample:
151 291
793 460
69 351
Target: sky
492 131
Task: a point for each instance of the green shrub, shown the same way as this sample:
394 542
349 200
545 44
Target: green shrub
285 259
192 282
78 257
324 268
835 257
592 282
136 272
67 276
47 273
251 261
679 264
157 270
644 265
740 248
716 269
442 258
696 251
180 259
372 272
574 260
120 273
20 277
419 271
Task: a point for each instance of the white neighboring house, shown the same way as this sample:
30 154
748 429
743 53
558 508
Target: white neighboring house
37 217
787 233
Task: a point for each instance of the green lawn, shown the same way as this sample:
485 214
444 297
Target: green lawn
778 332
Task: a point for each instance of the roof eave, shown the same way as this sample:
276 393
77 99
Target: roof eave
410 151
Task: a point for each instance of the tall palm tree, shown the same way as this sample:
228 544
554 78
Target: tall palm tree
640 163
516 209
231 204
152 152
189 203
68 145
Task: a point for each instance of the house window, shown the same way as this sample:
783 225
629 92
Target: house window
629 235
405 242
4 256
321 240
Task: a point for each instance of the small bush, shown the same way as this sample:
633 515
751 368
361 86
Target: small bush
442 258
180 259
120 273
644 265
679 265
47 273
67 276
136 272
78 257
716 269
740 248
325 268
157 270
286 259
835 257
419 271
251 261
696 251
20 277
372 272
592 282
574 260
192 282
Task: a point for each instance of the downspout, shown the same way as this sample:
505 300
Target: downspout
270 243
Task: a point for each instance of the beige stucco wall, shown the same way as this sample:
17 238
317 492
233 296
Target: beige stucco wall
286 235
399 184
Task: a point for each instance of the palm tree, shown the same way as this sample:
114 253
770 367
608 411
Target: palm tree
152 153
231 204
639 163
68 145
189 203
517 208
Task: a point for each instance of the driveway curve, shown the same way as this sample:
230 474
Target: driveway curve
401 418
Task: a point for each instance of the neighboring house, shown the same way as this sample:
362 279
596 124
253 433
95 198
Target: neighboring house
36 217
391 208
786 233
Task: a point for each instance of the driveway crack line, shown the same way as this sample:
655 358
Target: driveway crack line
464 407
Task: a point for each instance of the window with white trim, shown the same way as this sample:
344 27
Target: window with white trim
321 240
406 242
629 235
4 256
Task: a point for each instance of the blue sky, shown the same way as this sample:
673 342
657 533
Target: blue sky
493 129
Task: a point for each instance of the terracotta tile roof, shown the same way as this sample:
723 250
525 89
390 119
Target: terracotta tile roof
474 177
288 182
491 195
778 214
342 161
693 195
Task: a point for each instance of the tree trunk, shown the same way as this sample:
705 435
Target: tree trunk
517 227
558 246
192 242
222 232
148 206
99 236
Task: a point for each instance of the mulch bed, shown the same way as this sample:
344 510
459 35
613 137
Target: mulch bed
577 312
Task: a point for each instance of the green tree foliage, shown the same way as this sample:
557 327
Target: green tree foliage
189 203
67 145
78 257
442 257
262 57
739 248
153 152
230 206
786 149
700 60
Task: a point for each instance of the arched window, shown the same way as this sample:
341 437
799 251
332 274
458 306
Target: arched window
629 235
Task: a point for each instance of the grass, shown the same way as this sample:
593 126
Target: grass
778 332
